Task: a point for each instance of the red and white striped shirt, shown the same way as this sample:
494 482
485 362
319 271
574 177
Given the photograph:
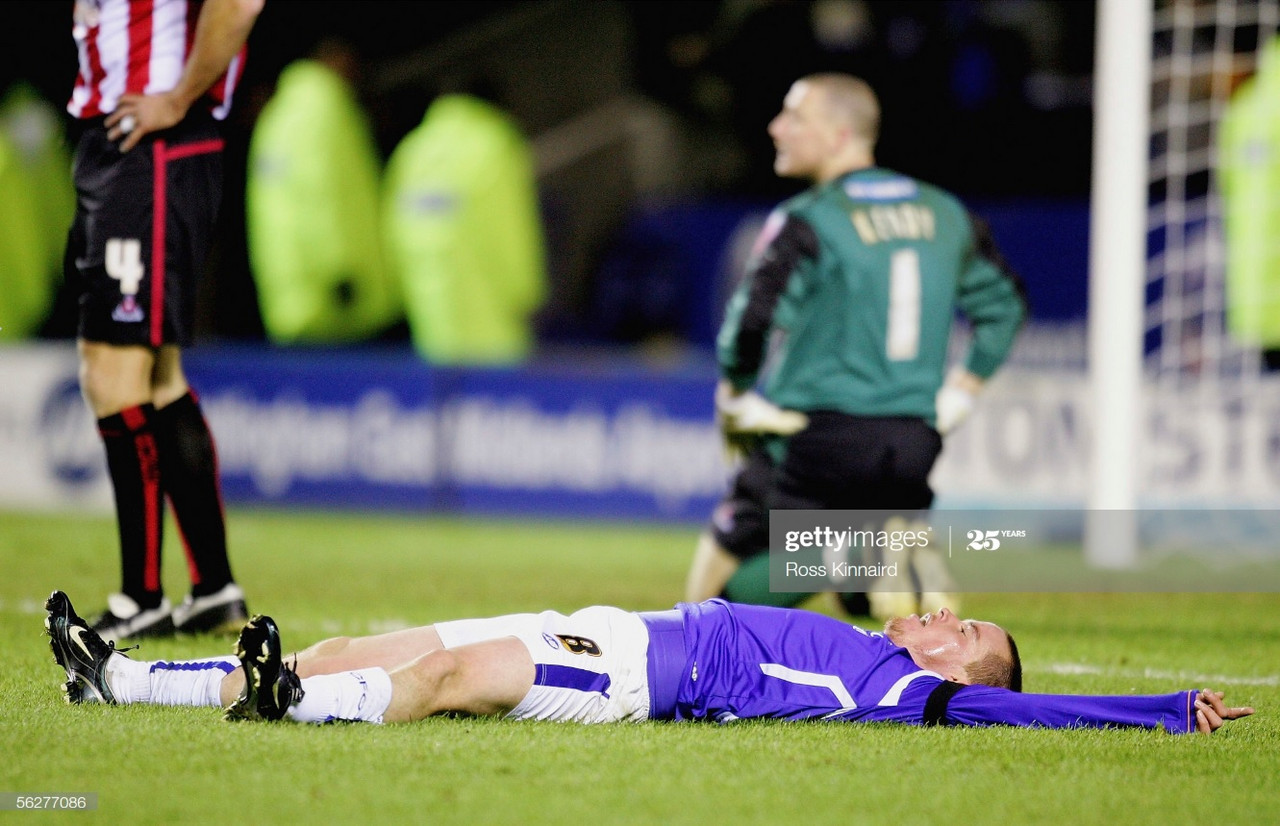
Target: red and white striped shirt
140 47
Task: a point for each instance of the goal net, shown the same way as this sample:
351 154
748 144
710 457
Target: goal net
1201 52
1187 421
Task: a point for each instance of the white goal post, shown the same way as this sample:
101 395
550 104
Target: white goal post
1117 267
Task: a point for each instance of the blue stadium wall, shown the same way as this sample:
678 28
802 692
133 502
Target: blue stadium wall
579 436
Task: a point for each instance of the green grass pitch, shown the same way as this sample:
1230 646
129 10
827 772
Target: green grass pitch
321 575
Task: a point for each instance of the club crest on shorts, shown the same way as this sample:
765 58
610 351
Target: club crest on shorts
123 262
127 310
723 517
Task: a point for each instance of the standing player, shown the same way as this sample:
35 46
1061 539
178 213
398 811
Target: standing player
155 77
852 288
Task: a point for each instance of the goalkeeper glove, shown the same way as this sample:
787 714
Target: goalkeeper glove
956 399
744 416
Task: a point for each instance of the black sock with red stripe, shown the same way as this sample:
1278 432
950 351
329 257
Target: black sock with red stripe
134 465
189 465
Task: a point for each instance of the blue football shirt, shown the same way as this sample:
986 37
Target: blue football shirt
748 661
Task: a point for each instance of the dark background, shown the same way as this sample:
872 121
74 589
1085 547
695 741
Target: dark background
989 98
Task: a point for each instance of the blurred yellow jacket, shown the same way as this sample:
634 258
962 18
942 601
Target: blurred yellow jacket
1249 181
312 213
26 288
464 233
35 127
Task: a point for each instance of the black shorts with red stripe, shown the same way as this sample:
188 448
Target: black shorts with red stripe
143 228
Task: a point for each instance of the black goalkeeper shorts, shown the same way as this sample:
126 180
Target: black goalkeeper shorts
143 227
839 462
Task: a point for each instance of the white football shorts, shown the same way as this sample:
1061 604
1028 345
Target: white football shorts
590 666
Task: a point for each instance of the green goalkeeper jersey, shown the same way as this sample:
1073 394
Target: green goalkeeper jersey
851 291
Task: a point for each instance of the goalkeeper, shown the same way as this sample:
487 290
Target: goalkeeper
850 290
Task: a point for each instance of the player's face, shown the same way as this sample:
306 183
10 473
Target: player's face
942 642
804 137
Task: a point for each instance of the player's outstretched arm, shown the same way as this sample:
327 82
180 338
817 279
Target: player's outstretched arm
1211 712
1182 712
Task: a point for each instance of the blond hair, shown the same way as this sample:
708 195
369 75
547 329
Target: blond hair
850 101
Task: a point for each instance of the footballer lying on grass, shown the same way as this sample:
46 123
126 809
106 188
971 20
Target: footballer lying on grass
700 661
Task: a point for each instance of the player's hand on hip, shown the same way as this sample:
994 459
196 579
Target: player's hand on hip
1211 712
137 116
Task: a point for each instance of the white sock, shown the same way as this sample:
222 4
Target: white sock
166 683
351 695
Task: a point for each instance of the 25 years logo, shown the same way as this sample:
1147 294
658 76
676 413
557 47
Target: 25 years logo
990 540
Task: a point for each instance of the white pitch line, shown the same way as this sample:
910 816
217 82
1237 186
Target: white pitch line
23 606
31 607
1191 677
333 627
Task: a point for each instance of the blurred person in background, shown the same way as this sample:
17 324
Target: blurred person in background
154 80
27 292
843 318
311 205
35 177
464 232
1249 183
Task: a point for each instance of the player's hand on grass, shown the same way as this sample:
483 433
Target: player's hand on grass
1211 713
